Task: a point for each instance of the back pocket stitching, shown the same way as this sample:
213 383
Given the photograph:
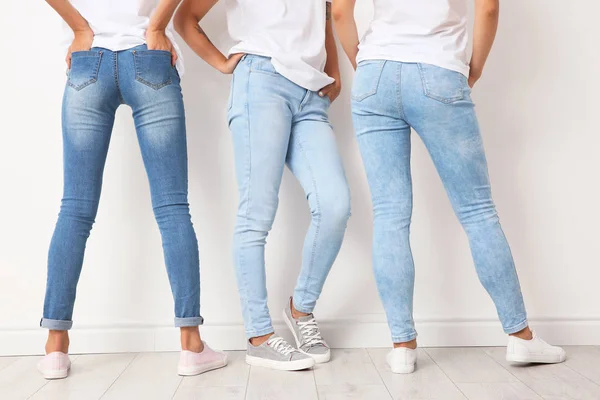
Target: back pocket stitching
142 80
445 100
373 91
97 55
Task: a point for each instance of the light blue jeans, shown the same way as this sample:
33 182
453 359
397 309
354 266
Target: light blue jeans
99 82
275 122
388 99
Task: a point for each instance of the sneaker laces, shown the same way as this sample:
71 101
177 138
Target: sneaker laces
280 345
310 332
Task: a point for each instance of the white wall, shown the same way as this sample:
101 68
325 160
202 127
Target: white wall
538 106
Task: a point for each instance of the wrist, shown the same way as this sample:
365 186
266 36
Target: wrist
83 31
335 76
475 73
222 64
156 31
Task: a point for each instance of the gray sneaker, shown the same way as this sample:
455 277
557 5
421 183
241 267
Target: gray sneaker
276 353
307 335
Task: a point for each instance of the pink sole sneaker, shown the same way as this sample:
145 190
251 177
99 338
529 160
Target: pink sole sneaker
191 363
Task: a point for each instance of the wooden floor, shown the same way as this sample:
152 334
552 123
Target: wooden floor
442 373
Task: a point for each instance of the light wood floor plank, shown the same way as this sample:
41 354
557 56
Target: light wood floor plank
210 393
150 376
347 367
428 382
552 381
354 392
20 379
498 391
6 361
89 378
266 384
469 365
478 374
585 360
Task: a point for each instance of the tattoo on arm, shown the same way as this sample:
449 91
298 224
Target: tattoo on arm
327 11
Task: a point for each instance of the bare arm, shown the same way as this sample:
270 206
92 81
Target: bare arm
186 23
332 66
70 15
486 24
345 26
156 37
163 14
83 35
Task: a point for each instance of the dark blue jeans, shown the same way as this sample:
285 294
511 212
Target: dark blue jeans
99 82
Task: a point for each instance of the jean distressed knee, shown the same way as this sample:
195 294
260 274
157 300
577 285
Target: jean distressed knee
98 83
388 99
274 123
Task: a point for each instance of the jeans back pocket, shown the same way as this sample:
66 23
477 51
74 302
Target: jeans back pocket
442 84
153 68
366 80
85 66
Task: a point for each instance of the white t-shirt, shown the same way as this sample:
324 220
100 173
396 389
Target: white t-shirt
119 24
425 31
290 32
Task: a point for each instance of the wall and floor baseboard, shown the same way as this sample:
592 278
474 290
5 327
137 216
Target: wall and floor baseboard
340 334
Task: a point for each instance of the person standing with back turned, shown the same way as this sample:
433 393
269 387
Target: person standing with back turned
413 72
123 52
286 78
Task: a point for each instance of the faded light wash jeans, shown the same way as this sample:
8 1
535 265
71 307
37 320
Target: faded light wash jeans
388 99
99 82
275 122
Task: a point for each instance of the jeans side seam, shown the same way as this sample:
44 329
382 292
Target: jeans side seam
247 210
318 224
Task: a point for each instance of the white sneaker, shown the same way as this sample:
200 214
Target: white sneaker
402 360
533 351
55 365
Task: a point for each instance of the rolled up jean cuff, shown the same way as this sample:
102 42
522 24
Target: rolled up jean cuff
260 332
56 324
192 321
516 328
407 337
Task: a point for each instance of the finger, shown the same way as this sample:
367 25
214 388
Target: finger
174 57
68 60
333 95
325 91
237 58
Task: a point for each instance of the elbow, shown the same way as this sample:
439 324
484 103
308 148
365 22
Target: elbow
491 8
338 12
179 23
